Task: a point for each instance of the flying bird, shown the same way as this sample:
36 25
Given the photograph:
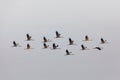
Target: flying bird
28 46
45 40
28 37
55 46
58 34
83 47
98 48
67 52
45 45
103 41
71 42
86 38
15 44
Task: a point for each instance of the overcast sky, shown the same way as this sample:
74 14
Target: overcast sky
72 18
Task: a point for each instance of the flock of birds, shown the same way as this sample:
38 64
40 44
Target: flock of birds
54 46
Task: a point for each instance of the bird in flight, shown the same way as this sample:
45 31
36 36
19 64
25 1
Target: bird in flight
99 48
28 37
67 52
103 41
45 45
86 38
83 47
57 34
15 44
55 46
46 40
28 46
71 42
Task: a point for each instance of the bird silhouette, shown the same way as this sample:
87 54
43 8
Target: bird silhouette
28 37
103 41
55 46
15 44
71 42
67 52
45 40
86 38
98 48
28 46
45 45
57 34
83 47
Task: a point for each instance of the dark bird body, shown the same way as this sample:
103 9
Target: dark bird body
45 40
55 46
103 41
45 45
86 38
28 46
28 37
71 41
57 34
83 47
67 52
14 44
98 48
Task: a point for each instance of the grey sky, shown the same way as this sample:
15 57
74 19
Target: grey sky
72 18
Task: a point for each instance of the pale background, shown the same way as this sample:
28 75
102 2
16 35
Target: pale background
72 18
